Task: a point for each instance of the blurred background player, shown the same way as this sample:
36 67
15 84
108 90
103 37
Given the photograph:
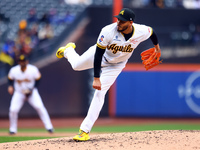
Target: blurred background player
23 80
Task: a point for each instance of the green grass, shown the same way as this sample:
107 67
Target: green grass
101 129
4 139
147 128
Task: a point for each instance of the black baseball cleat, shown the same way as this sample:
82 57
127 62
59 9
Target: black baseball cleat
12 133
50 130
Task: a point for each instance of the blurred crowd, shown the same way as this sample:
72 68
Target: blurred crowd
85 2
187 4
36 30
32 33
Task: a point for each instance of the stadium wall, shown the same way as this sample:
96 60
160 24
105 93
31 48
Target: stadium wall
68 93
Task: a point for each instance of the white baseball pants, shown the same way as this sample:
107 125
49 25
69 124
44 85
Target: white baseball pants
108 76
35 101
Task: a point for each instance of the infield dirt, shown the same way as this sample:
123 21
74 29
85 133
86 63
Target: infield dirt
148 140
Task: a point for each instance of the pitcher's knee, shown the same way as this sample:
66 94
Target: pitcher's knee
99 94
13 111
76 67
38 108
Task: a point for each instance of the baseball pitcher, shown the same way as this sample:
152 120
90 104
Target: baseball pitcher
115 45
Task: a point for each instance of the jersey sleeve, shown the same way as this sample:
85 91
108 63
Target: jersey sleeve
37 73
11 74
146 32
103 39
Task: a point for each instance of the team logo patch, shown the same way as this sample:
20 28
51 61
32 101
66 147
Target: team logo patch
116 39
133 41
149 30
122 12
101 39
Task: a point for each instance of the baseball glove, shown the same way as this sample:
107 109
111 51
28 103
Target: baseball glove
150 58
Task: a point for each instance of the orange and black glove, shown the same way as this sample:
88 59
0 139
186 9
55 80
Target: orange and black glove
150 58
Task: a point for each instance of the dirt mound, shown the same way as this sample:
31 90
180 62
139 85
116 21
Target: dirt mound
148 140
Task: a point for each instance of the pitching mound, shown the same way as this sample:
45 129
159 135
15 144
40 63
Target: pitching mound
149 140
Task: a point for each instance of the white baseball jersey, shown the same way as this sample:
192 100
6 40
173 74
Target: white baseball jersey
24 80
117 53
117 48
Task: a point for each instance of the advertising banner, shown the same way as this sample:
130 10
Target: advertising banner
158 93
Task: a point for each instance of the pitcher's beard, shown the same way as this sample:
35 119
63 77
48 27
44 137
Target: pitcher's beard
122 29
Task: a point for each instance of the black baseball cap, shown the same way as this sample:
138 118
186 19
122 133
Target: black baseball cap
22 58
126 14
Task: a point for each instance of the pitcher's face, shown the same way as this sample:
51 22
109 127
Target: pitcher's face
123 25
